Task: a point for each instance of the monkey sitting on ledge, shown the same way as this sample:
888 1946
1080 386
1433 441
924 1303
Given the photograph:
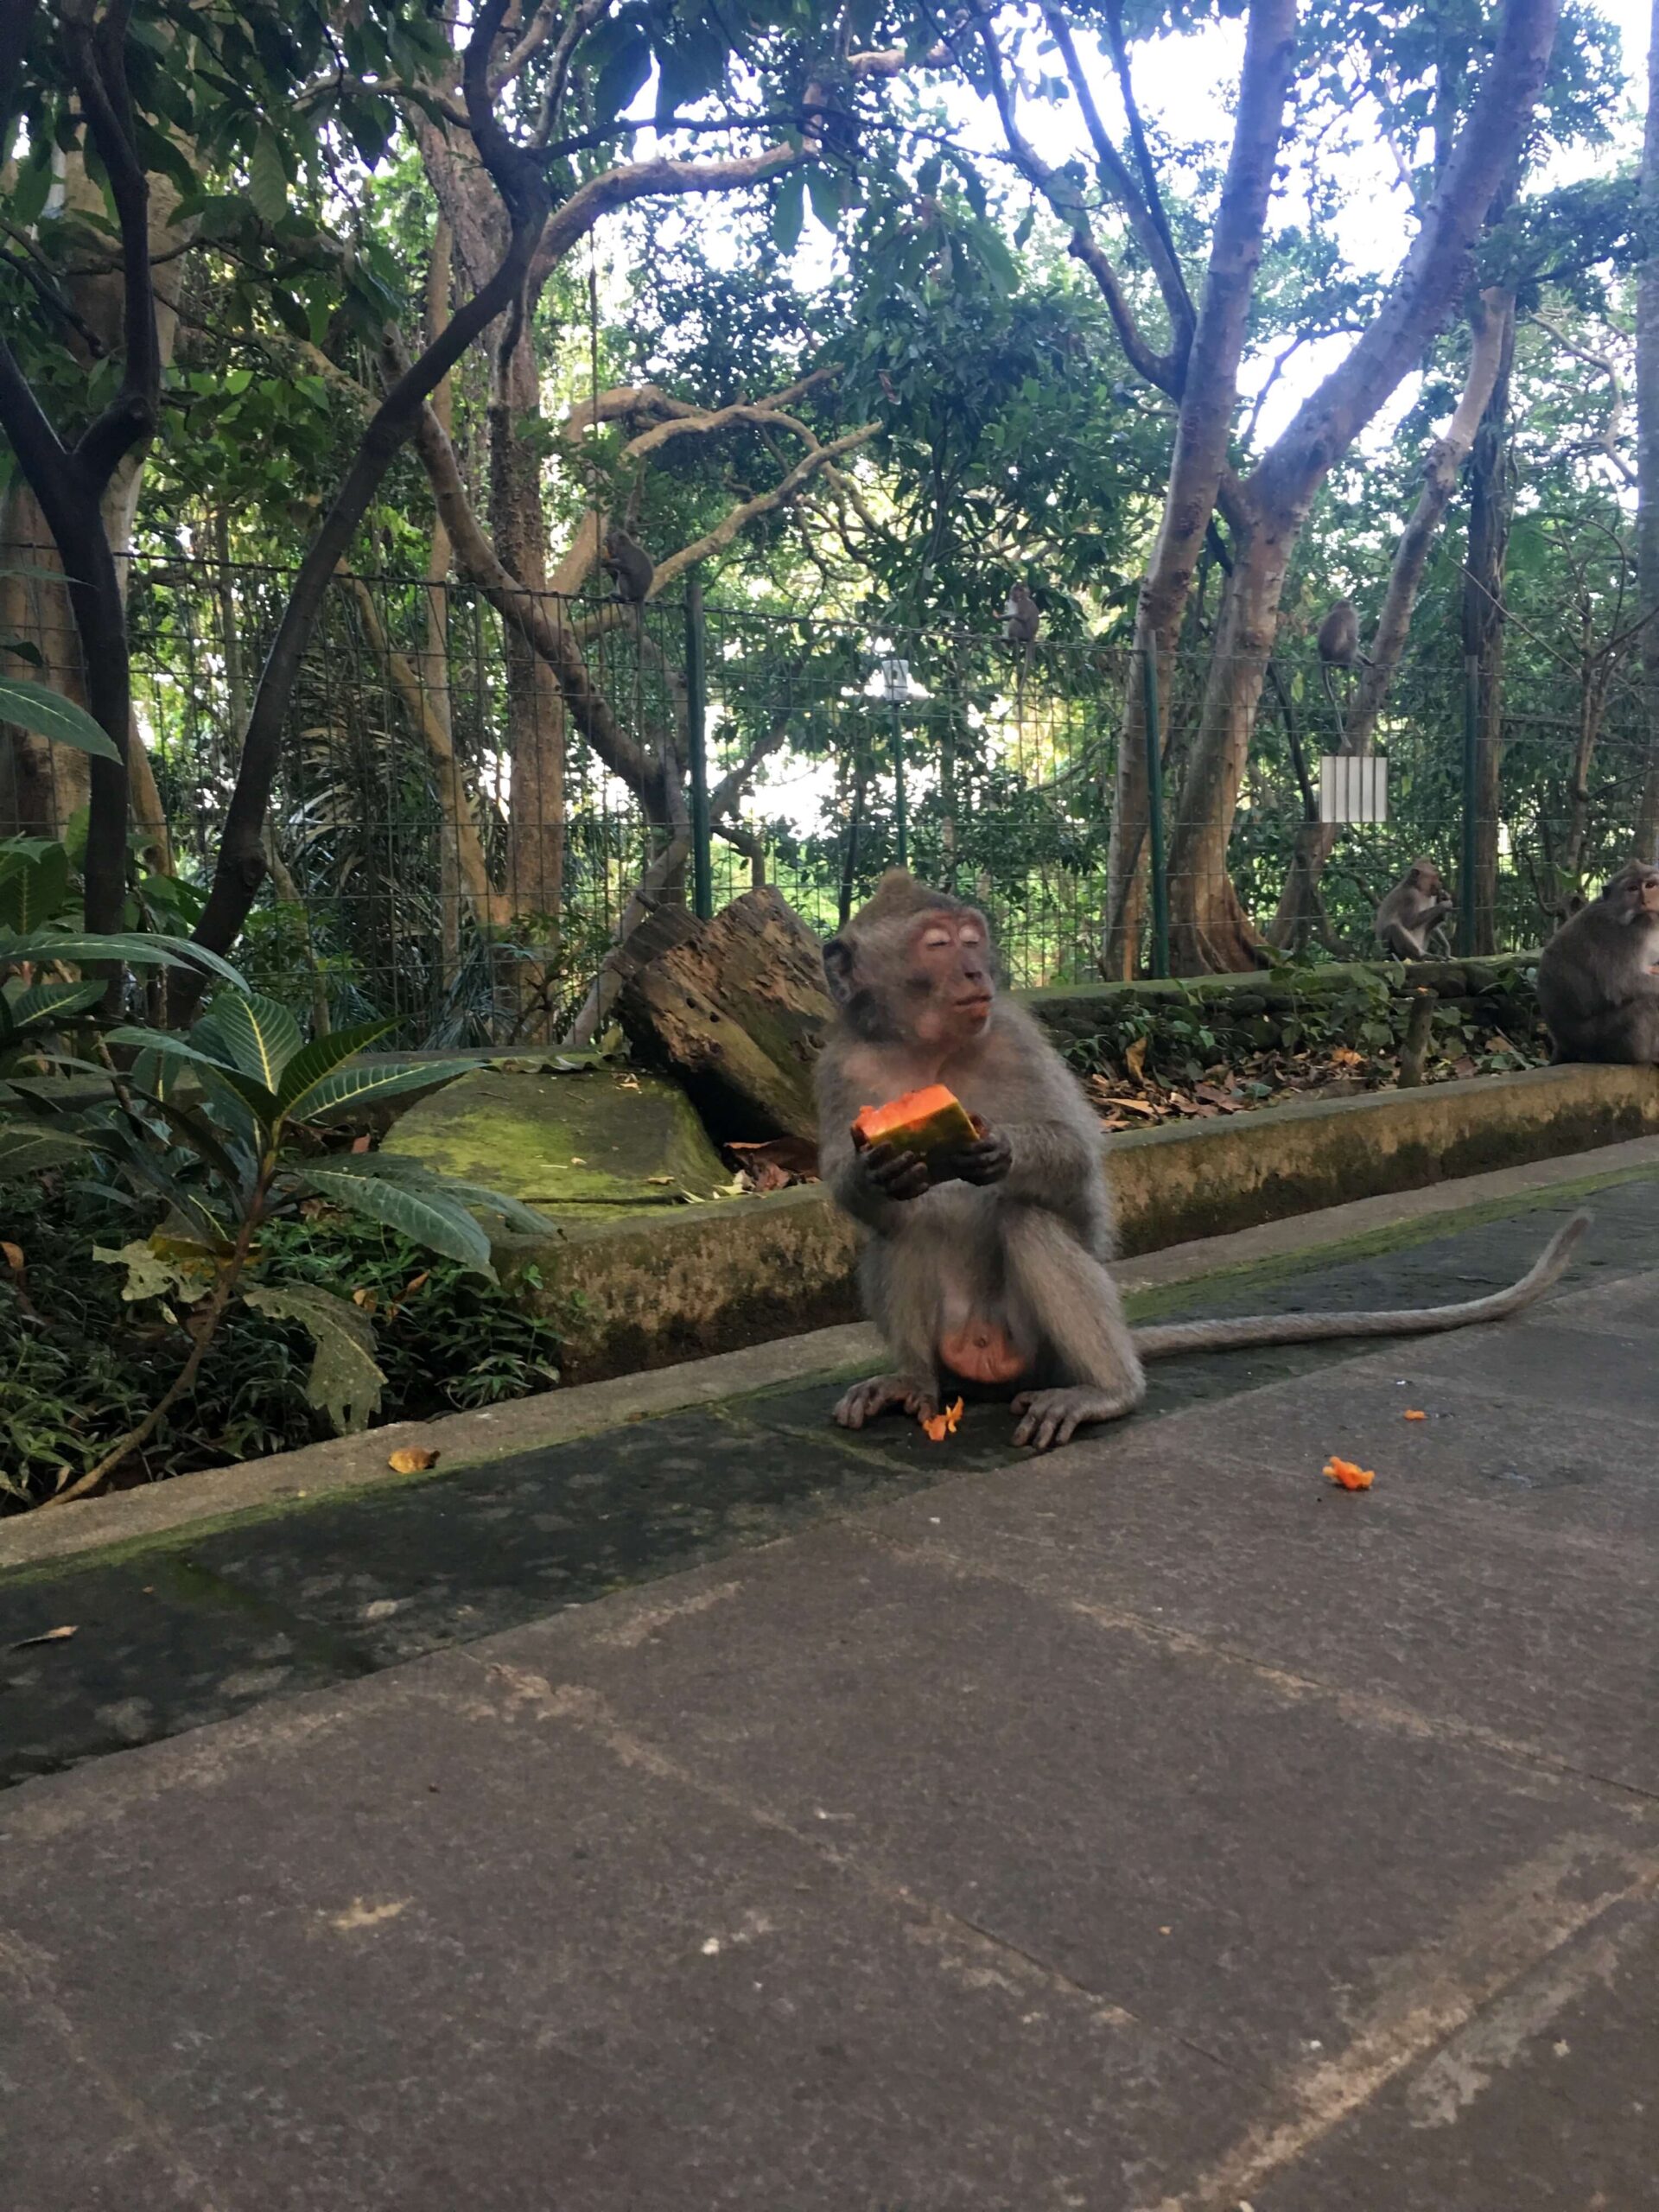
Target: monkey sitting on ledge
987 1266
1597 988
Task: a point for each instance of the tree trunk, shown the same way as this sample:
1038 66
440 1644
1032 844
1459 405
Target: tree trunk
432 664
43 785
736 1008
535 706
1647 447
1209 928
1207 921
1315 841
1203 429
1489 493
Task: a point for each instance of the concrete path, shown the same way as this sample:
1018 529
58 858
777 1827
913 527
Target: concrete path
1150 1826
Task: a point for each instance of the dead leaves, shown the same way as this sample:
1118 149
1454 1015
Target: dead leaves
936 1426
412 1459
776 1164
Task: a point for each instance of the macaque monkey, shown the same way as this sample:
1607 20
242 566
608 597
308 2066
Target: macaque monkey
1021 620
1596 987
1021 617
1408 915
1338 640
987 1267
628 565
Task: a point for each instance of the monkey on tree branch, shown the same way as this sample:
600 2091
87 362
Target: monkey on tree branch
985 1268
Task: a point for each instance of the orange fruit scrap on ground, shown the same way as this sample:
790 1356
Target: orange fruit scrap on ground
1412 1414
939 1425
1350 1476
921 1120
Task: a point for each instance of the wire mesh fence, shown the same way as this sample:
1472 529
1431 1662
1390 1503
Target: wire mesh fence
458 834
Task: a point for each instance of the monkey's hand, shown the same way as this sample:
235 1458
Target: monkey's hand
893 1174
988 1159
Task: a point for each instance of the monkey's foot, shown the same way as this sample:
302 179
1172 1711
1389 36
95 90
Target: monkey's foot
1052 1417
881 1394
982 1352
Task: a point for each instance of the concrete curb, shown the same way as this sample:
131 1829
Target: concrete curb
353 1464
631 1294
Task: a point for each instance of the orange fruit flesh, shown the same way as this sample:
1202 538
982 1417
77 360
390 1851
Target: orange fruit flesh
922 1120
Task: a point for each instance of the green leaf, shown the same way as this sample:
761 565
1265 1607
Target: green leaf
789 213
357 1086
133 948
51 1003
267 178
27 1150
513 1211
35 891
346 1380
244 1091
253 1034
322 1055
824 191
154 1270
625 71
427 1217
48 714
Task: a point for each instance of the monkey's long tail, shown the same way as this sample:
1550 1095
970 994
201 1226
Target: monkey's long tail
1406 1321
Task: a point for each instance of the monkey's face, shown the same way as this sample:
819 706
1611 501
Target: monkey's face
948 984
1427 877
1635 893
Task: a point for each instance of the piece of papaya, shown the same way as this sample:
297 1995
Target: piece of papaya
922 1120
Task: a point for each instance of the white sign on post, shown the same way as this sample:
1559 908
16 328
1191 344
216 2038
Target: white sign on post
1353 787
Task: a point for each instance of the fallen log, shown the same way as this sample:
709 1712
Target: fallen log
735 1008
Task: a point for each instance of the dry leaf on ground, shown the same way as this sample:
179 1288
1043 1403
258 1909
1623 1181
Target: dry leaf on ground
48 1636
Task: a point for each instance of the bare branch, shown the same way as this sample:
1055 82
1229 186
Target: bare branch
1608 441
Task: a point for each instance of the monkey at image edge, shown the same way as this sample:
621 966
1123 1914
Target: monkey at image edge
986 1266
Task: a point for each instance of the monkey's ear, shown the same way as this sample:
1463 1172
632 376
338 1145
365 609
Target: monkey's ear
839 962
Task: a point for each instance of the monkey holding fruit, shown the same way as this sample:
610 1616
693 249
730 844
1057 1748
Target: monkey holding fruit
985 1261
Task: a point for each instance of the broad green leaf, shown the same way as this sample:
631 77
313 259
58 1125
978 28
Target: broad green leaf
133 948
251 1034
790 213
425 1217
27 1149
47 1003
513 1211
267 178
825 190
49 714
242 1090
345 1381
34 891
322 1055
625 71
159 1267
359 1086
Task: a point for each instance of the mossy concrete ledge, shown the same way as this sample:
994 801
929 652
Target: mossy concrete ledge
641 1294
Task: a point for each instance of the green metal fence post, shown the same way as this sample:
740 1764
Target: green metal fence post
1471 779
697 736
1155 812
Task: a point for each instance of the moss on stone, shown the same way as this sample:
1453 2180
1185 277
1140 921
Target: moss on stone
595 1146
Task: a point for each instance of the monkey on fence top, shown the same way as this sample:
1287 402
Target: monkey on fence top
985 1259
